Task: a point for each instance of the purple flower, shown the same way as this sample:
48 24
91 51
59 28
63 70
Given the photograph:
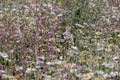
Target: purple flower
38 38
47 34
113 27
1 67
103 29
54 6
51 49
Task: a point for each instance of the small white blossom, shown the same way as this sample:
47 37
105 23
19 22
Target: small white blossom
49 63
79 25
61 58
58 50
29 70
119 35
2 71
112 74
19 68
49 5
99 72
58 62
4 55
52 13
45 5
73 70
116 57
74 47
106 75
59 15
105 64
108 49
11 51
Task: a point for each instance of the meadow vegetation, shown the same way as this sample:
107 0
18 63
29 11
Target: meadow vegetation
59 39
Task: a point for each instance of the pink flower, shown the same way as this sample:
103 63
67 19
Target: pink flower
47 34
54 6
51 49
44 16
38 38
37 21
103 29
113 27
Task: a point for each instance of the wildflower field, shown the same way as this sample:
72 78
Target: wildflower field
59 39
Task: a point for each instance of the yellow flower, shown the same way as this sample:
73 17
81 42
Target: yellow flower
98 33
63 63
17 76
108 49
51 39
118 73
86 76
71 65
116 30
42 50
81 60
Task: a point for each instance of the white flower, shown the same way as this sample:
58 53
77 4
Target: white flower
49 5
87 76
99 72
29 70
105 64
73 70
78 75
100 48
4 55
2 71
112 74
87 24
52 13
108 49
116 57
6 9
58 62
37 67
8 76
61 58
19 68
45 5
92 4
74 47
116 30
114 17
53 63
14 9
49 63
58 50
79 25
46 77
9 60
41 57
119 35
4 76
106 75
1 16
11 51
59 15
33 5
98 33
